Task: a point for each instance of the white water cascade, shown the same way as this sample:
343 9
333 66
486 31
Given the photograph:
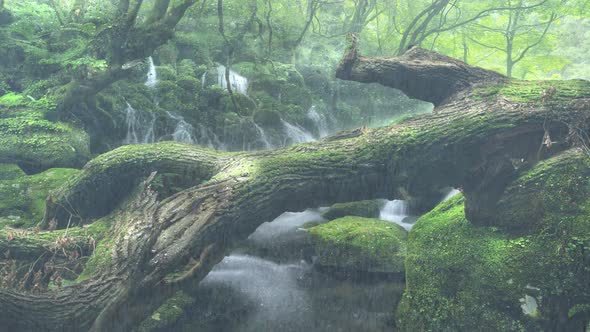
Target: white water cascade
152 75
263 137
140 126
452 192
238 83
206 137
183 132
319 120
297 134
396 211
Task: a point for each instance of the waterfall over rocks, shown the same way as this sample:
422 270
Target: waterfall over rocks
452 192
206 137
297 134
152 75
140 126
319 120
396 211
183 132
263 137
238 83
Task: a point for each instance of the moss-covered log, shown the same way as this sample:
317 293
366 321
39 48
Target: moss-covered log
108 179
478 136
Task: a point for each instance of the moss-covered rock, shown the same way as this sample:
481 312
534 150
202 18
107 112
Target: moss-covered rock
268 118
555 189
168 313
354 244
462 277
34 143
367 209
22 198
10 172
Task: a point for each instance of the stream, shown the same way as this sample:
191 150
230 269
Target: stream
267 285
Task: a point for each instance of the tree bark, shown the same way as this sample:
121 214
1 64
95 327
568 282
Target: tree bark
471 141
419 73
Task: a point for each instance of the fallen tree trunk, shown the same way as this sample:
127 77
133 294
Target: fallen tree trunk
485 130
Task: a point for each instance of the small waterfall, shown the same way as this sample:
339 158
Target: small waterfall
206 137
152 75
396 211
204 79
296 133
238 83
140 126
184 131
319 120
452 192
263 137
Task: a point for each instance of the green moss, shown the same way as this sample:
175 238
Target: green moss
34 142
100 259
360 244
457 276
10 172
167 314
11 100
367 209
461 277
174 98
110 177
555 192
22 199
537 92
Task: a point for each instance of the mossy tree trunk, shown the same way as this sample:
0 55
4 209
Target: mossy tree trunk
485 128
126 40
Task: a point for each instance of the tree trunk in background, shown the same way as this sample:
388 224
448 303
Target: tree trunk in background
160 247
419 73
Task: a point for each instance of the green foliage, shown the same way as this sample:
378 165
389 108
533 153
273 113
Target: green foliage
12 100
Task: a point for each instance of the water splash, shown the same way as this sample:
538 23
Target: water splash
319 120
297 134
238 83
183 132
396 211
452 192
152 75
263 137
140 126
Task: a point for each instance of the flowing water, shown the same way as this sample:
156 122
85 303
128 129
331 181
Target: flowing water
452 192
397 211
296 134
140 126
263 137
152 75
320 121
183 132
237 82
268 287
